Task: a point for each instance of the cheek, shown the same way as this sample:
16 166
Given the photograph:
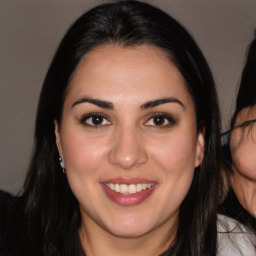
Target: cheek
175 153
176 158
243 152
83 154
244 159
235 139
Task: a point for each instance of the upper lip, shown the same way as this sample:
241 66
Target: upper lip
128 181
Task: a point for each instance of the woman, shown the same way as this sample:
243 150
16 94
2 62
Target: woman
240 202
126 150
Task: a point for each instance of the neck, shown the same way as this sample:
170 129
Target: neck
245 190
97 241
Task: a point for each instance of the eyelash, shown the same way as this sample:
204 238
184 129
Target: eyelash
166 120
86 118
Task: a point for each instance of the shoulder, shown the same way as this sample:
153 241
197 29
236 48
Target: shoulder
234 238
231 207
6 200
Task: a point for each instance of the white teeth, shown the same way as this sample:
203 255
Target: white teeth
128 189
139 187
116 188
123 188
132 189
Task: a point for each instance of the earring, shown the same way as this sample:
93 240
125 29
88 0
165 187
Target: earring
62 165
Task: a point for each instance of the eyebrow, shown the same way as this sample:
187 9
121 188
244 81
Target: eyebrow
157 102
109 105
97 102
244 124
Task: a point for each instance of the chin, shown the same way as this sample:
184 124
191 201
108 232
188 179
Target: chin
130 230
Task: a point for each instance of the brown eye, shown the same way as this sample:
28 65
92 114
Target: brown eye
160 120
95 120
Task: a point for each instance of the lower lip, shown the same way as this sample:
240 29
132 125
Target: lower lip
129 199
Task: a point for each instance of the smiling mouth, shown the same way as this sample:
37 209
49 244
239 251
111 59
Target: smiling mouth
128 189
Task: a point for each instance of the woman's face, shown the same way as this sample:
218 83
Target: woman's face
128 140
243 144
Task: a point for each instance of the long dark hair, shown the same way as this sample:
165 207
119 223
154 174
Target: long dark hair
47 214
246 97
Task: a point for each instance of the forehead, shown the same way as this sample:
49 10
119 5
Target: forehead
119 72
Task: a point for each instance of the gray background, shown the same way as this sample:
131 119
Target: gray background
30 31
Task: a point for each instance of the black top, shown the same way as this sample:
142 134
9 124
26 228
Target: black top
6 202
231 207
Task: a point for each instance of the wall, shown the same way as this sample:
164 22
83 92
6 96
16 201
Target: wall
30 31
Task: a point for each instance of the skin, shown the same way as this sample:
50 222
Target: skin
243 148
129 143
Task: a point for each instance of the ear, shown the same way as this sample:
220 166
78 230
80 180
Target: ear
200 144
58 139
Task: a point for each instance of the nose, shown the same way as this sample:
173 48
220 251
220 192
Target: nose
128 150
